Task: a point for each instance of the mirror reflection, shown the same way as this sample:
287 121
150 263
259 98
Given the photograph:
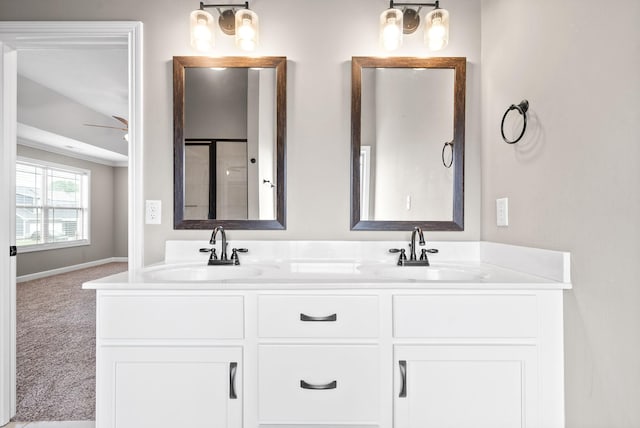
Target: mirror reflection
407 116
407 143
230 143
229 119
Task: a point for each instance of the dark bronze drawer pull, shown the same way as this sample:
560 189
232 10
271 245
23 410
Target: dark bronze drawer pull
403 378
330 385
233 367
332 317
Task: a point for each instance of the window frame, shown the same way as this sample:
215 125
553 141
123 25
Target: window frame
46 165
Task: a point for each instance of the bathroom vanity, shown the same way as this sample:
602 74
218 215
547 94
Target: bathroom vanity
334 334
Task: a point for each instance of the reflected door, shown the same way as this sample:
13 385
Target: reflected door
216 184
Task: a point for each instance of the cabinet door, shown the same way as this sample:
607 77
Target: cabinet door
466 386
167 387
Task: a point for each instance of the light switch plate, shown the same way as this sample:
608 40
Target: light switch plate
153 210
502 212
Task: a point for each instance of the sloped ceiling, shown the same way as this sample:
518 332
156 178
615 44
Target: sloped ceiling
93 77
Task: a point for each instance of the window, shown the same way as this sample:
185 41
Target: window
52 205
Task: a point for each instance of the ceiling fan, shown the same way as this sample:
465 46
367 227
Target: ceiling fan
122 120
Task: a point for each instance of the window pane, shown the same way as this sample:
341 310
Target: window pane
51 204
64 189
64 225
29 226
28 185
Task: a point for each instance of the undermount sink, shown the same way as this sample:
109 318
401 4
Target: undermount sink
424 273
195 273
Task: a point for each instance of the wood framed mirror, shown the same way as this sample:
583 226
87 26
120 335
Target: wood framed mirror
229 128
407 143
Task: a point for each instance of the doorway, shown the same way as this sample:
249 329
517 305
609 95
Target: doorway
16 37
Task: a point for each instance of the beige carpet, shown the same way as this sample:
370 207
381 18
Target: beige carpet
56 360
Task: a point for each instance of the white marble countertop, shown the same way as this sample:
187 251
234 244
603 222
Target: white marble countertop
359 265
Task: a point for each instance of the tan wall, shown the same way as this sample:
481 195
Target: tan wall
573 182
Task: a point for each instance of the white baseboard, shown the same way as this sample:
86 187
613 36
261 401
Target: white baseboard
66 269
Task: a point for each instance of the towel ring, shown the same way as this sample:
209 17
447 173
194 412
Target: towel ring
450 144
522 109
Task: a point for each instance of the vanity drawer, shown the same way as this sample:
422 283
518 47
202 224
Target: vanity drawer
171 317
465 316
316 316
346 378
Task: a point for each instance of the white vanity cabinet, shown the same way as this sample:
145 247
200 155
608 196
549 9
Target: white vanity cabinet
317 342
318 359
478 359
170 386
168 359
318 384
386 358
475 386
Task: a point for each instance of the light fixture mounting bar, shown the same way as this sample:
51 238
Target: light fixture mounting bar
245 4
436 4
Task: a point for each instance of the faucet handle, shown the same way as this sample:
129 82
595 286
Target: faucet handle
235 251
423 254
402 251
212 251
423 257
234 254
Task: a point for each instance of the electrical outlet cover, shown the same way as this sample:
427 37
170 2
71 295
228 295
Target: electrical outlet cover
153 210
502 212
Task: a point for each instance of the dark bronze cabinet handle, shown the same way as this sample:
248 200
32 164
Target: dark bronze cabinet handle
330 385
233 367
332 317
403 378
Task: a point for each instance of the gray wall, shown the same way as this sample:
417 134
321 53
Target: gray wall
319 106
573 182
107 235
120 212
573 186
216 104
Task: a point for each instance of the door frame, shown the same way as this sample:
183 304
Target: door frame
8 124
18 35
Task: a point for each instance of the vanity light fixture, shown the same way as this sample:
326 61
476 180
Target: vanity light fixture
395 22
234 19
391 28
